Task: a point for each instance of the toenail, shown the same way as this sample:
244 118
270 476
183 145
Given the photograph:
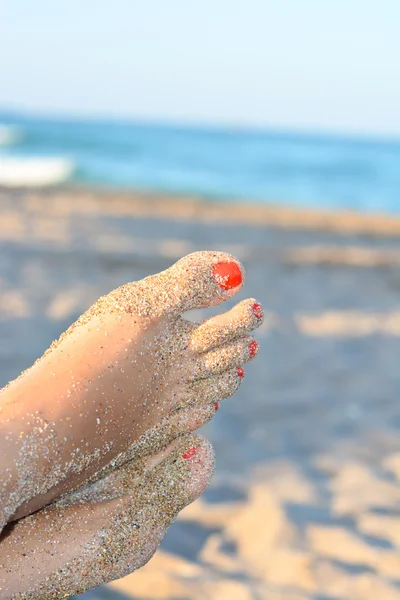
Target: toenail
257 310
190 452
240 372
253 347
228 275
216 405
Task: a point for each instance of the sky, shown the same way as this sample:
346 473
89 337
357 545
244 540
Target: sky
304 64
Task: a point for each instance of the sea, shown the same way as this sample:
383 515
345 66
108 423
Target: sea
244 165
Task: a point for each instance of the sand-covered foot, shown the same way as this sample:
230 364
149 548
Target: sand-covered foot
65 550
127 378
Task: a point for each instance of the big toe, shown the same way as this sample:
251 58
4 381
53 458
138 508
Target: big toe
199 280
185 473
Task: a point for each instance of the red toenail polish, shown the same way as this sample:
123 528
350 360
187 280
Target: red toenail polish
228 275
189 453
253 347
257 310
240 372
216 405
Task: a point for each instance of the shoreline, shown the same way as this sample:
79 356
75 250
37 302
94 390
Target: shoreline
80 201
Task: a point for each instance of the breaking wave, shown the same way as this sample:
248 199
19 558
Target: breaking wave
34 172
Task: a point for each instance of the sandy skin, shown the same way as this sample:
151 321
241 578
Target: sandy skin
118 387
73 546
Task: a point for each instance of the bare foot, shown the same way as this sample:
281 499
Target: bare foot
67 549
124 381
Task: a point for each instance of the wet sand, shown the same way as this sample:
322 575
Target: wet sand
305 503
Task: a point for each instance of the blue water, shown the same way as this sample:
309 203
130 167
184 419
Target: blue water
262 166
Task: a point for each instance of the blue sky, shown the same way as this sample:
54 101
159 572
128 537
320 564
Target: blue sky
317 64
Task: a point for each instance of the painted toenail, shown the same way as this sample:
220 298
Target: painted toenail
228 275
240 372
189 453
216 405
253 347
257 310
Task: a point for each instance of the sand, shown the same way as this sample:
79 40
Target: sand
305 503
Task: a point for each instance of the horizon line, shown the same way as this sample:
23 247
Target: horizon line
197 123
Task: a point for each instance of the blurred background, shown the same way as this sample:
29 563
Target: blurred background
133 133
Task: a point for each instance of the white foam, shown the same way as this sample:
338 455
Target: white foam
34 172
9 135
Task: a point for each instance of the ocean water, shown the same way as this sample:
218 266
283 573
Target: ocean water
244 165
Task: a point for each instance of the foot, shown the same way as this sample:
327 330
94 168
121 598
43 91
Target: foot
127 378
108 534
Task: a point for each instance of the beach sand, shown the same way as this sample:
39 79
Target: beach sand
305 502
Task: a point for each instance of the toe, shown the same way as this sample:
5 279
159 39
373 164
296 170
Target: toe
212 389
242 318
189 419
198 280
204 279
240 351
198 454
190 457
179 479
